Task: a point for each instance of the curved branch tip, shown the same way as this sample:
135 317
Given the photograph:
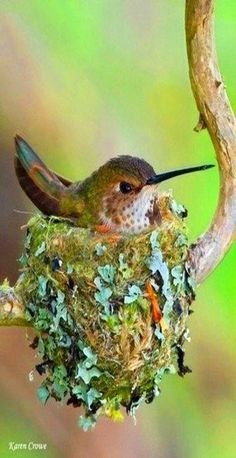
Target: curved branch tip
217 115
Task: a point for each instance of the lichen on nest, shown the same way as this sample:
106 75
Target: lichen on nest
86 294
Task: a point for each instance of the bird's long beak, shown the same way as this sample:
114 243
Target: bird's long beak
155 179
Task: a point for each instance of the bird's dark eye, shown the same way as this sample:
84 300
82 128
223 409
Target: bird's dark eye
125 187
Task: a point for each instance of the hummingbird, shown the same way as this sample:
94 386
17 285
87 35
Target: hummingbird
121 196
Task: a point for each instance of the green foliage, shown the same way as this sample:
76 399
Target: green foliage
43 394
134 293
100 249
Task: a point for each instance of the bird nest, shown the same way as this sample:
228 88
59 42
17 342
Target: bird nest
99 343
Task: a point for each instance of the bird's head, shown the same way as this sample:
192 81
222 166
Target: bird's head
124 193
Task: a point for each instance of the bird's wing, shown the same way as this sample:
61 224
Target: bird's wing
42 186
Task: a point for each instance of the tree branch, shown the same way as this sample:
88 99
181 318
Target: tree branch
217 115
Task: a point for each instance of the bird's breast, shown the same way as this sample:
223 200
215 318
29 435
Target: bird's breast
131 215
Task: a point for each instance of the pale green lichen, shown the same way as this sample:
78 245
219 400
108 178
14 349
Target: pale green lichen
86 295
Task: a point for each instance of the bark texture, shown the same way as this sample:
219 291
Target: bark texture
217 116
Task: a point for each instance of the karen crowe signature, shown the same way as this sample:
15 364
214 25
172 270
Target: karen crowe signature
14 446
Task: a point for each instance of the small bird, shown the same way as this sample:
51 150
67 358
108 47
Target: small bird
121 196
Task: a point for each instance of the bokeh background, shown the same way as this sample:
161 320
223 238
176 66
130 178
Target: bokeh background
84 80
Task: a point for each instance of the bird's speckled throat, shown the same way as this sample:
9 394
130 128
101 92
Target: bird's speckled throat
134 213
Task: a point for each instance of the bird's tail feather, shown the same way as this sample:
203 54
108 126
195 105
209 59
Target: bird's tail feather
41 185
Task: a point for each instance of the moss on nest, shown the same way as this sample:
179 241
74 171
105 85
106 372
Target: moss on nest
86 294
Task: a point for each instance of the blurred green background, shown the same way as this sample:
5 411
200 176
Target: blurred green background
82 81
